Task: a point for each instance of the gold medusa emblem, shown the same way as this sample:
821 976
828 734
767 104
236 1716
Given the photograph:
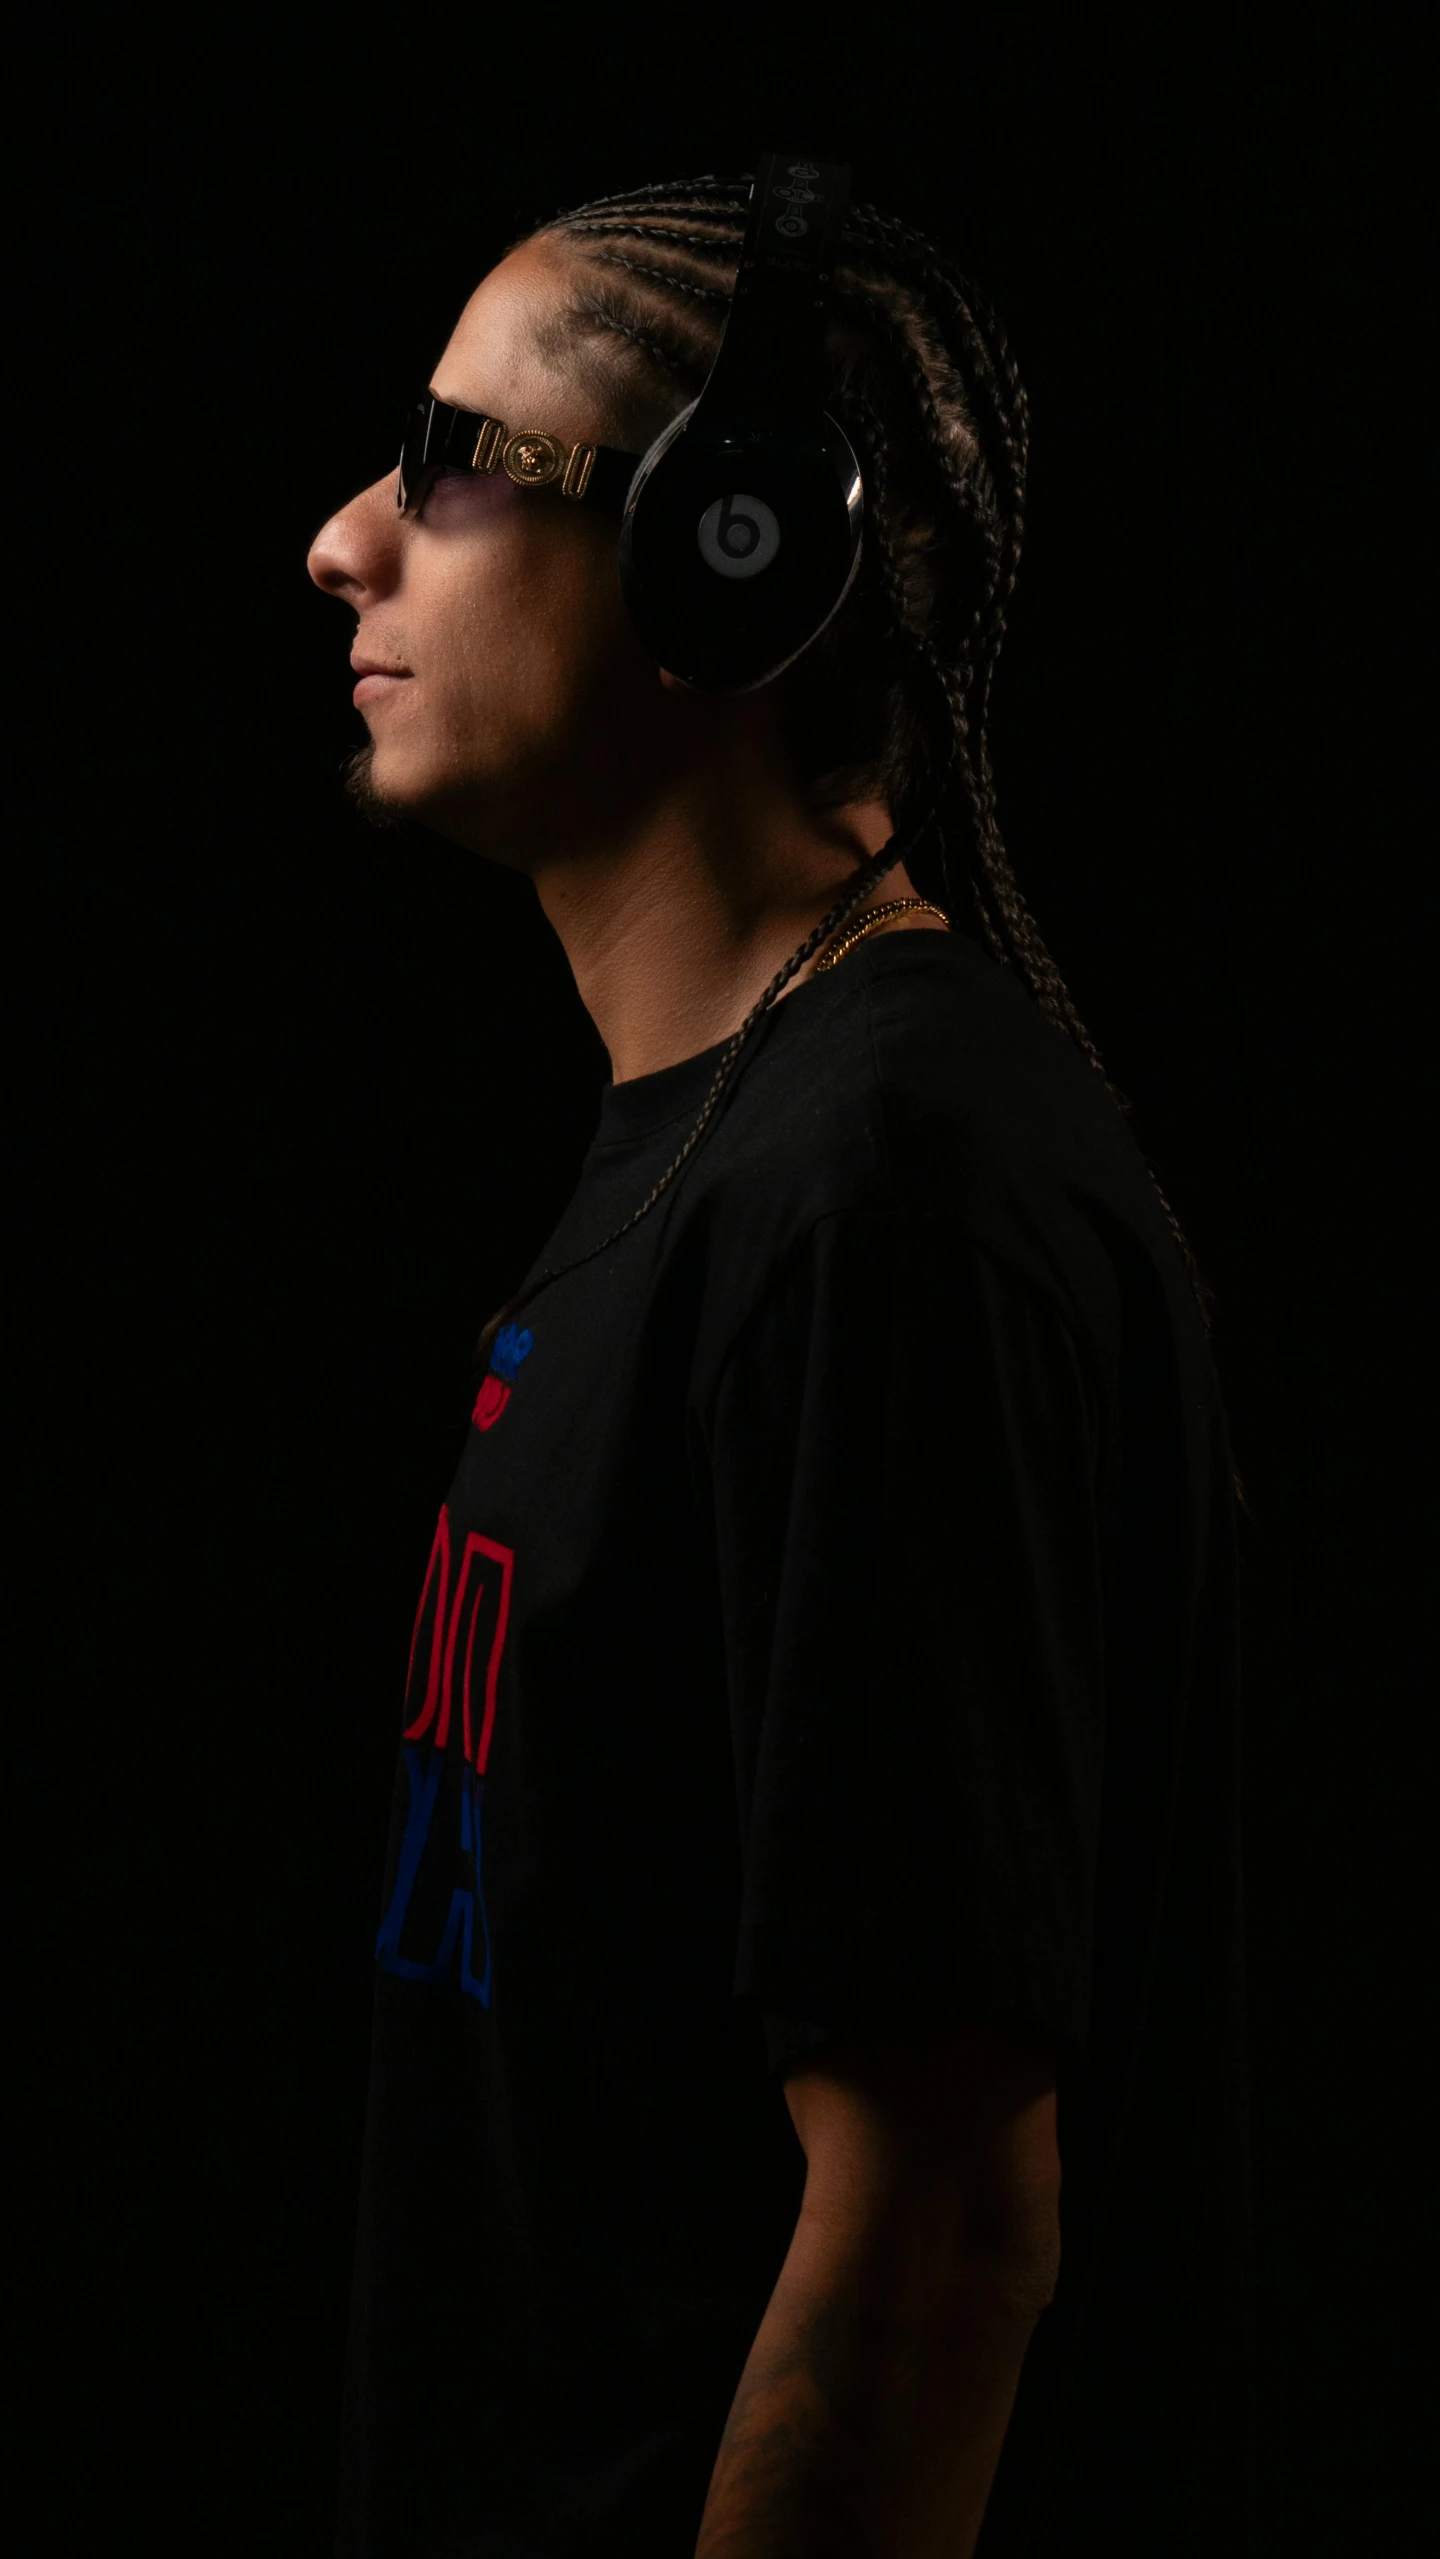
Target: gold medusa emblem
532 459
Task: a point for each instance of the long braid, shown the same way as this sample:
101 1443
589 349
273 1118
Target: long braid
1039 968
974 671
1044 977
951 710
919 348
964 685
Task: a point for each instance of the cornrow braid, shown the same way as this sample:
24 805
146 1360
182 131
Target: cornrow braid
658 275
662 351
893 700
710 194
699 242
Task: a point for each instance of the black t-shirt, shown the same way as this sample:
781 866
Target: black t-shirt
832 1618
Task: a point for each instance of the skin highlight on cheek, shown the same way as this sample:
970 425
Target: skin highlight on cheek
521 654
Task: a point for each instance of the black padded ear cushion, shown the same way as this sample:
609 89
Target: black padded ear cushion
737 546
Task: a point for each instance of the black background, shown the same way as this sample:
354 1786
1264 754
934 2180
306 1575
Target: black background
300 1099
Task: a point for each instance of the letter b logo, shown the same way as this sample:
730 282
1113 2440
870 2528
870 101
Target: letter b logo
738 536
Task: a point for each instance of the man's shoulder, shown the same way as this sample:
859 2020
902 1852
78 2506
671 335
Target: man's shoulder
971 1073
931 1080
928 1087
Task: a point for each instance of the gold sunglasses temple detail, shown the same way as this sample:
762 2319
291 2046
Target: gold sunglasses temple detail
533 459
489 444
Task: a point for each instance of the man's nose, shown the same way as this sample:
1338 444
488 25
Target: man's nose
355 555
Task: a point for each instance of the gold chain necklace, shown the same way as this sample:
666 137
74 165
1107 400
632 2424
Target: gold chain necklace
878 915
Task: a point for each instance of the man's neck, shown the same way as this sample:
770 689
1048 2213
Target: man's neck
674 932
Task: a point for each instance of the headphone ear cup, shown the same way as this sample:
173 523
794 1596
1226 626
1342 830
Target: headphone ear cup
738 546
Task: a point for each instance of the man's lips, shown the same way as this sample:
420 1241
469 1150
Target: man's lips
376 679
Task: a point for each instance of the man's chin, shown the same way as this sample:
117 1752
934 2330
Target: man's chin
364 791
481 822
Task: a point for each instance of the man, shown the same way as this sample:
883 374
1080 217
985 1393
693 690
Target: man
816 1823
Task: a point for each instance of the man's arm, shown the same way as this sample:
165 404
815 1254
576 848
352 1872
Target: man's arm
874 2401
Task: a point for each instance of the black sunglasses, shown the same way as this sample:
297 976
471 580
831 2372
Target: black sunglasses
439 438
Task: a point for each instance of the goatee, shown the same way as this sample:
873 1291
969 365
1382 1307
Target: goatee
358 775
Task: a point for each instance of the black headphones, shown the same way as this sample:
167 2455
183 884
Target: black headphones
741 532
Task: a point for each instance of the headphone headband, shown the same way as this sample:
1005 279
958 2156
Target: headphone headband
770 361
741 533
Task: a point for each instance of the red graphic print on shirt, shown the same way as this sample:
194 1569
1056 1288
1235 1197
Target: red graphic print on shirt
513 1343
491 1401
450 1691
479 1608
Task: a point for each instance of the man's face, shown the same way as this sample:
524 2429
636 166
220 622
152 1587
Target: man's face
511 694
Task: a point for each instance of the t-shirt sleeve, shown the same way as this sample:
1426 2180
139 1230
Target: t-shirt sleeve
904 1451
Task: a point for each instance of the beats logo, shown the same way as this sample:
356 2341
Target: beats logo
738 536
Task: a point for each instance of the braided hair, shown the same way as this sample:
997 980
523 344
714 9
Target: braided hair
892 702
